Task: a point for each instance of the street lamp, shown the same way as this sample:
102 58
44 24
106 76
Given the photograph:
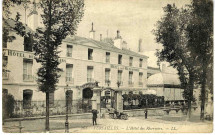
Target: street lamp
67 109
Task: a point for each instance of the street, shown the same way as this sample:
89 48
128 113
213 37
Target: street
167 123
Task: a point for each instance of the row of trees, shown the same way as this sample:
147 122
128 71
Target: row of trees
60 18
187 38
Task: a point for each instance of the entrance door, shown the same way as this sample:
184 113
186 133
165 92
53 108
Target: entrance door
86 101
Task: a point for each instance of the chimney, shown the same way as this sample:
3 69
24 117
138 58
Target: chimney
118 34
118 40
124 44
140 48
92 33
100 37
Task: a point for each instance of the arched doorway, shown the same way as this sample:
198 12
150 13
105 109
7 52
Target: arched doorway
87 93
86 99
27 98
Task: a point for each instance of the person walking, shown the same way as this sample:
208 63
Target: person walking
146 113
94 112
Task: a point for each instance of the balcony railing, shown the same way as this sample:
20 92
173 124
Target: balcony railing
28 78
90 80
107 60
5 75
90 57
107 82
70 80
69 54
130 64
130 83
120 82
140 83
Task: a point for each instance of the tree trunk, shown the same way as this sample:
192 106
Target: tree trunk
190 87
47 112
203 93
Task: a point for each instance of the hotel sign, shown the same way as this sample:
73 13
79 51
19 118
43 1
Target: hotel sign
26 55
124 68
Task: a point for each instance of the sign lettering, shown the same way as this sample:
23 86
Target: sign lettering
124 68
14 53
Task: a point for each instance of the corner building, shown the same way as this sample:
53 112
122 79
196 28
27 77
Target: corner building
84 61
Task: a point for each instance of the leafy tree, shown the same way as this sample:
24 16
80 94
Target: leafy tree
200 35
60 19
8 105
19 27
171 33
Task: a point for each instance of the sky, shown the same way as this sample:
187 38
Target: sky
134 18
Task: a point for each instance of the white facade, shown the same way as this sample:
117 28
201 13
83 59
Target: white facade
74 53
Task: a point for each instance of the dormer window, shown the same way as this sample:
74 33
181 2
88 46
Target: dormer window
130 61
119 59
28 41
69 50
107 57
90 54
141 63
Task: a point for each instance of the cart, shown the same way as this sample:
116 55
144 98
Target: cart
114 114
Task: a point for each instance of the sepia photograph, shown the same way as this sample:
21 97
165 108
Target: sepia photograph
107 66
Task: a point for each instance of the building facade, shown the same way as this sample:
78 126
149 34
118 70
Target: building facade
84 61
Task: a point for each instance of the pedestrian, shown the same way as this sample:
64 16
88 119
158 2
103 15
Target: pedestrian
94 112
146 111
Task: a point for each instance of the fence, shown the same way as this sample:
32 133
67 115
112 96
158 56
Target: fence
38 108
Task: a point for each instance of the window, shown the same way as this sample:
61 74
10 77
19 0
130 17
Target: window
130 61
140 62
27 97
69 50
130 78
69 69
51 99
119 59
107 57
90 74
119 76
107 76
27 69
90 54
5 62
28 41
140 78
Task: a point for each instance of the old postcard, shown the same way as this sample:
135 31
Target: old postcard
107 66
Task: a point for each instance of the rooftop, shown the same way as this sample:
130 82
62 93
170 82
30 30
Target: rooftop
164 78
102 45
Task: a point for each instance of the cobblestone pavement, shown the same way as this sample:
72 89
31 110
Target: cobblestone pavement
166 123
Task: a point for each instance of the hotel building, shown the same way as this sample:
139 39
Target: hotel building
83 60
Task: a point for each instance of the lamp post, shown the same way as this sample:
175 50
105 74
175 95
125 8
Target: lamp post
67 109
118 85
